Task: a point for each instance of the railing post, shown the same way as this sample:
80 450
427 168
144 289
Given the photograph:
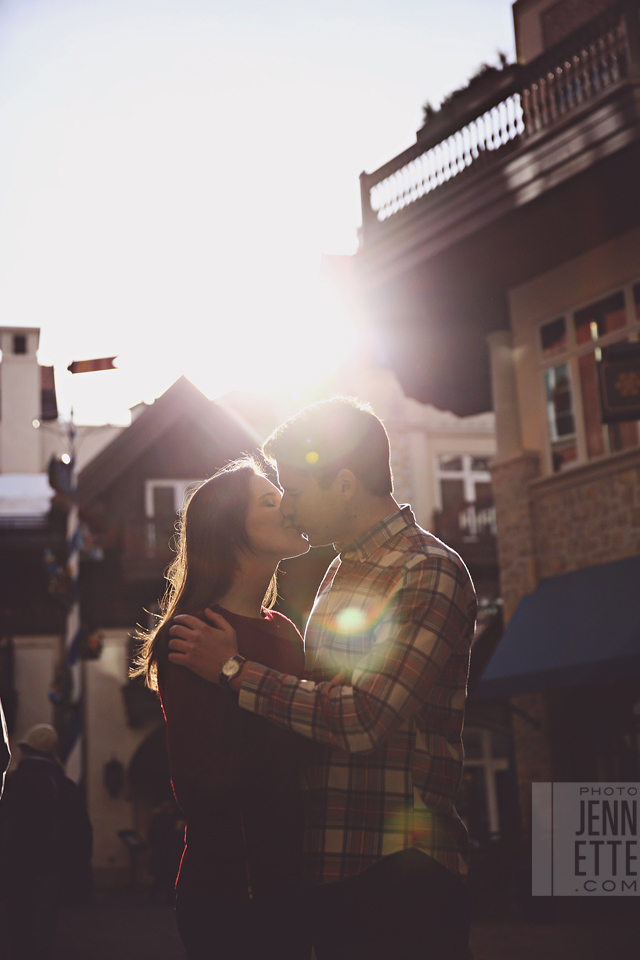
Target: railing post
632 26
368 216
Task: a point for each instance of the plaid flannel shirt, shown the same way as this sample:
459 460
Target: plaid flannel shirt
396 609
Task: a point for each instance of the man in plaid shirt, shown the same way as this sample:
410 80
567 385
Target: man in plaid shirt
387 648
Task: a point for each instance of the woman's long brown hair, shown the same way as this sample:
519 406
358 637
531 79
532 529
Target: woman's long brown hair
210 535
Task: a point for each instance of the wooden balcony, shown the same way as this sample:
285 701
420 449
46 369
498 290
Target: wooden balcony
536 126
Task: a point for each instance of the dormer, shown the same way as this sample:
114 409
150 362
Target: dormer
27 394
19 344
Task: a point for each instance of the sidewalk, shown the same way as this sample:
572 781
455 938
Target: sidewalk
512 940
122 925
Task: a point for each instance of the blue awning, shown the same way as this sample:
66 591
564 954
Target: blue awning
578 628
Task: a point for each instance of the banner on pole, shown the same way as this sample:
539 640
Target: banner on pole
88 366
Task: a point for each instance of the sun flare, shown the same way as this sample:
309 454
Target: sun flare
171 172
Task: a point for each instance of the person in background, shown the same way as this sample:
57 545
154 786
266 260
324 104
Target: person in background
387 659
235 776
46 846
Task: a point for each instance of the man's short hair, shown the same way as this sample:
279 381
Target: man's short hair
331 435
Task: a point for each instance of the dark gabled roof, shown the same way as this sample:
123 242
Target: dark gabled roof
182 401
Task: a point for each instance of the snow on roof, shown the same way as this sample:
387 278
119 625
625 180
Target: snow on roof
25 494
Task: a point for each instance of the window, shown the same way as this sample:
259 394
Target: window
463 481
164 501
560 417
19 343
570 348
553 337
486 765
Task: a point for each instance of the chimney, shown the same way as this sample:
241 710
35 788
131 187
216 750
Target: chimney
20 400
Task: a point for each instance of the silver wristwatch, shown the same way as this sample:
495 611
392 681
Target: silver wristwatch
230 669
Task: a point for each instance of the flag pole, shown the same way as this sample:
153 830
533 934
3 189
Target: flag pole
73 746
74 741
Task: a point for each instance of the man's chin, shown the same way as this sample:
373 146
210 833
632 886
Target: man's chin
317 541
303 548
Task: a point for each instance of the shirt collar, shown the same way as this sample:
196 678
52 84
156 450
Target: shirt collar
364 546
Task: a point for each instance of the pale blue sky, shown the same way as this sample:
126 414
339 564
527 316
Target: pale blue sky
172 170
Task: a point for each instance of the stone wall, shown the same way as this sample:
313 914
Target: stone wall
588 516
511 479
547 527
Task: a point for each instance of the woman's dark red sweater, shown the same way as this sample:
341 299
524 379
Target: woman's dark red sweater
234 774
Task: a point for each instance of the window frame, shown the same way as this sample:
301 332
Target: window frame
468 475
180 489
491 765
571 356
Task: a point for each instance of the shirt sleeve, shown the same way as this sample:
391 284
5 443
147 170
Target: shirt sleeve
423 638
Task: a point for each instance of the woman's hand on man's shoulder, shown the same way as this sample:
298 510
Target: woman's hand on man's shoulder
202 647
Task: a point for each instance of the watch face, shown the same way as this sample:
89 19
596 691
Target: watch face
230 668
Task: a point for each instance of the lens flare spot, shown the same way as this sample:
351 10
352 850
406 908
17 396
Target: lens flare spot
312 457
351 620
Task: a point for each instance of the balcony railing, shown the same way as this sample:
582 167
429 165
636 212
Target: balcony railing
524 101
558 86
467 521
470 528
472 144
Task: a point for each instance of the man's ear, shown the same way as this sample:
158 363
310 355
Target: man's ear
347 484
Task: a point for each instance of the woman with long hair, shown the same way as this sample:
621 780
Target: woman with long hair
234 774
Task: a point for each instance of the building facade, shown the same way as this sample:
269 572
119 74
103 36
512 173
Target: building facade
499 261
130 494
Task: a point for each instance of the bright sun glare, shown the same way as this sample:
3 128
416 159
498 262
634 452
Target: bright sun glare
171 170
260 343
167 224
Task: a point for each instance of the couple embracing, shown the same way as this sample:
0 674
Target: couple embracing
318 780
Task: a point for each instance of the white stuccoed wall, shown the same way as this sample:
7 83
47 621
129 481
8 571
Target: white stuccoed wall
109 737
20 391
